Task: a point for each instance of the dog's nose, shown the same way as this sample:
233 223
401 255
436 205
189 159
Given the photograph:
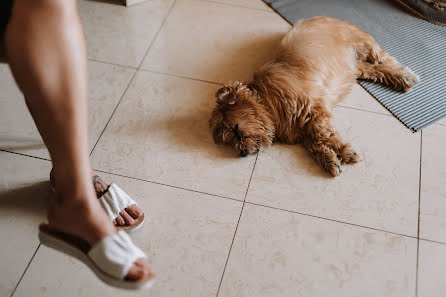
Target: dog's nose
243 153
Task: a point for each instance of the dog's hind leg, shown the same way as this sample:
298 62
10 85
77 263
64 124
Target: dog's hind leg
377 65
398 77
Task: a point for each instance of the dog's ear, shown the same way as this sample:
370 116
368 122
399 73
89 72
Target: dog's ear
226 95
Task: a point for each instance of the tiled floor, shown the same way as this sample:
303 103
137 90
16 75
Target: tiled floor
268 225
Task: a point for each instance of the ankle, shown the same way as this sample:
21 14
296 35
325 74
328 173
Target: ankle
79 216
81 200
72 200
66 176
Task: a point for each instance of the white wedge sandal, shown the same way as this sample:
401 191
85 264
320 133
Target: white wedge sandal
110 259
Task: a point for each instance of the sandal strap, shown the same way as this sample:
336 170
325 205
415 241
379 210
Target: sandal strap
115 254
115 200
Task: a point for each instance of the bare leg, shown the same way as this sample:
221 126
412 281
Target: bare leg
46 51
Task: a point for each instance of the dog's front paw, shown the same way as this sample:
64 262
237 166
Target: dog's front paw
349 156
326 157
334 168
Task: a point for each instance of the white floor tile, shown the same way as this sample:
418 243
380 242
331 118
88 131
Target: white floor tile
379 192
24 192
276 253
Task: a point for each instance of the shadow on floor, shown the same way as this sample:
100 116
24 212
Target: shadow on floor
20 144
31 199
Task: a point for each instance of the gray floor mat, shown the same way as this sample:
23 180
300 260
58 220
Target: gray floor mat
414 42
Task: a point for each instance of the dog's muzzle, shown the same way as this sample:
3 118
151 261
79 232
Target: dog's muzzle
243 153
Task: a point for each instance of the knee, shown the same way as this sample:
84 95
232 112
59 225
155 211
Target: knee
59 7
49 8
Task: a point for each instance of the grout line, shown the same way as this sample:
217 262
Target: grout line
417 262
134 74
167 185
157 33
236 227
433 241
114 110
250 178
24 155
234 199
111 63
181 76
230 249
266 206
419 183
23 274
364 110
388 109
419 212
244 201
332 220
241 6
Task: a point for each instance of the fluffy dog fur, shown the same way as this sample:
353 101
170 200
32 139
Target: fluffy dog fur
291 97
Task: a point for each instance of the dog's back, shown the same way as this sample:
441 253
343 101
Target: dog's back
321 55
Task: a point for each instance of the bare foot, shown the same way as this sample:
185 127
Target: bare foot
84 218
126 217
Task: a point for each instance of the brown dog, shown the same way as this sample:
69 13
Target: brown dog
291 97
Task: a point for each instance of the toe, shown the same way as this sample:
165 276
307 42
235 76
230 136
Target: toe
140 270
128 219
120 220
134 211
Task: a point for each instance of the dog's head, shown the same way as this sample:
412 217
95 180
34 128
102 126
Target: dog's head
240 120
